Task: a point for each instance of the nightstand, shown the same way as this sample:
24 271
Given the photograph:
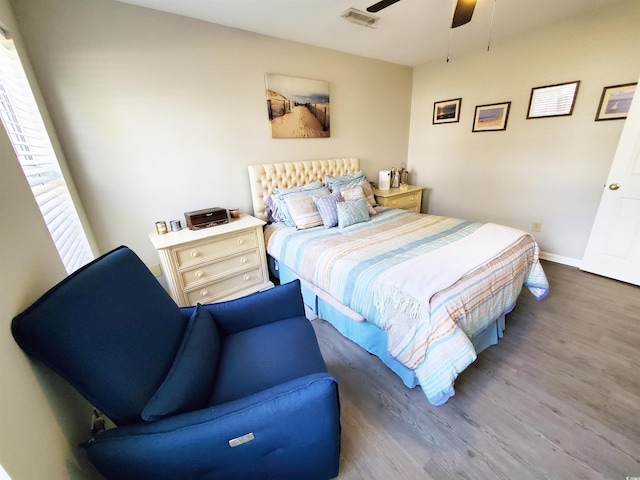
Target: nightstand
216 263
409 198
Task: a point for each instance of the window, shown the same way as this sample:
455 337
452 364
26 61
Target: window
26 130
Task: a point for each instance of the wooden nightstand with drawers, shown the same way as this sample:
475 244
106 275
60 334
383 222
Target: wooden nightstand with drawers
216 263
409 198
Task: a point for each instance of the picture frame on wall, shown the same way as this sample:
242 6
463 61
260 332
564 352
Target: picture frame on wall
298 107
447 111
491 118
553 100
615 102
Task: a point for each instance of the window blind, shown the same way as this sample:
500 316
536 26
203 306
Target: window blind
25 127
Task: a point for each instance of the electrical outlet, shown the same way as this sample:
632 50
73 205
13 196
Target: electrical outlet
536 226
155 269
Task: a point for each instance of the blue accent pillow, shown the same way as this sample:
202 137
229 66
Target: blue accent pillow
327 206
330 179
301 188
352 212
189 382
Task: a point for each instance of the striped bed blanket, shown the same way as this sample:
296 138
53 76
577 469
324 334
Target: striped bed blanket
430 282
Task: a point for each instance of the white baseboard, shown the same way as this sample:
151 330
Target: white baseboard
552 257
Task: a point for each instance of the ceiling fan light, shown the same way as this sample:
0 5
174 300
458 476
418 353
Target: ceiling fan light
360 18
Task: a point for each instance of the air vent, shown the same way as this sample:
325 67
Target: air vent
361 18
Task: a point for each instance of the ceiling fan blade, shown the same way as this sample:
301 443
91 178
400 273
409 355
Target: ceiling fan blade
376 7
463 12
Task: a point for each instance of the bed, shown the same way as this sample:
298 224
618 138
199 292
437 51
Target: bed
424 293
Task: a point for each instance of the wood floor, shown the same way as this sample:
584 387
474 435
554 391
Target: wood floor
557 398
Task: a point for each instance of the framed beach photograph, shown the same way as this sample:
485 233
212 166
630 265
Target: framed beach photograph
447 111
491 118
298 107
615 101
553 100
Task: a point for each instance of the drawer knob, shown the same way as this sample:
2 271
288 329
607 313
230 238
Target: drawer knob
394 202
204 293
411 198
241 241
244 260
199 274
195 253
247 277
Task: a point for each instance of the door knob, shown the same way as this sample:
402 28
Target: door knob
614 186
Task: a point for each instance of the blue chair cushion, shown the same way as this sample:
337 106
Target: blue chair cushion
262 357
188 384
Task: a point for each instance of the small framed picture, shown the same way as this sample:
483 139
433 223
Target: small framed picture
615 101
553 100
447 111
491 118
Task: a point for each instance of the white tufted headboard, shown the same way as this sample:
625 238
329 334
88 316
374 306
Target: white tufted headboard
264 178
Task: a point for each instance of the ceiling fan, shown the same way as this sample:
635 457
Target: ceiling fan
461 15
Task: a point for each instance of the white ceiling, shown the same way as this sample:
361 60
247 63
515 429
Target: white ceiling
410 32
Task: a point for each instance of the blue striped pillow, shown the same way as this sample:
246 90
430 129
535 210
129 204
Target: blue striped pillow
352 212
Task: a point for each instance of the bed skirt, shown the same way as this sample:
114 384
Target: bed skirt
367 335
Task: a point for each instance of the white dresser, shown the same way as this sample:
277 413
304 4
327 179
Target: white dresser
216 263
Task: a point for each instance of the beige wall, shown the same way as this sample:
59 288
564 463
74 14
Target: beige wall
159 114
549 170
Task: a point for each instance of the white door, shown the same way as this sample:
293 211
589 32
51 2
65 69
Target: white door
613 249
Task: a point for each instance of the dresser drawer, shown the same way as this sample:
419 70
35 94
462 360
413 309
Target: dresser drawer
407 198
408 201
203 252
219 268
225 287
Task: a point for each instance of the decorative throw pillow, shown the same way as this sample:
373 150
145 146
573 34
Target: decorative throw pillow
301 188
282 198
303 210
330 179
352 193
327 206
363 182
271 209
190 379
352 212
273 203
